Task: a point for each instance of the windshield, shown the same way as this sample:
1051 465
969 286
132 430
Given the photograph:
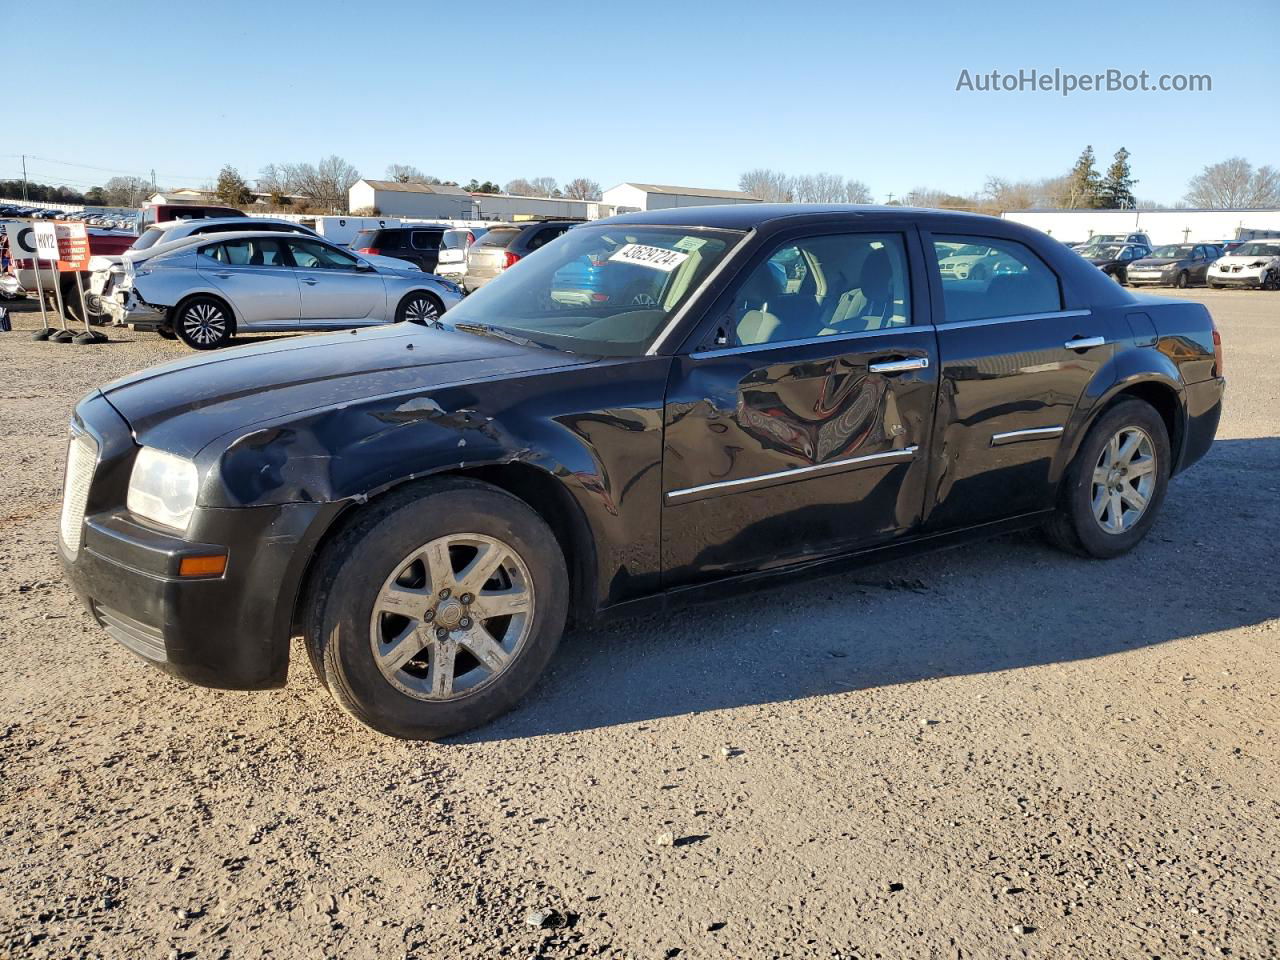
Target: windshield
1173 251
499 237
603 290
148 239
1257 250
1102 253
459 239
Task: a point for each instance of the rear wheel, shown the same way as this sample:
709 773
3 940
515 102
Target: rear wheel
419 307
202 323
438 609
1114 487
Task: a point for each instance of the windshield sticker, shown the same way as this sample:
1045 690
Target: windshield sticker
658 258
689 244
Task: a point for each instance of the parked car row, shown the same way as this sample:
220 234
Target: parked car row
1130 260
105 220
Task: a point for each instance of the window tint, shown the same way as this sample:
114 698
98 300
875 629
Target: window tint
498 237
545 236
999 278
822 286
253 252
316 256
364 239
149 238
425 239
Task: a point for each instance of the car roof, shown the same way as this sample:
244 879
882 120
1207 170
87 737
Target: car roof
206 221
195 239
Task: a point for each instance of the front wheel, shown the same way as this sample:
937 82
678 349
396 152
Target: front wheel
1271 281
1114 487
437 609
1184 280
202 323
420 308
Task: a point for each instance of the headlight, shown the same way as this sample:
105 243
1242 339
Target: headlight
163 488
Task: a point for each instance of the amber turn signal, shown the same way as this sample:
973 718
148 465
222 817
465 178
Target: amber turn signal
203 566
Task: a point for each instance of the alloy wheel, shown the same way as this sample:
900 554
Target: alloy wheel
421 310
204 322
1124 479
452 616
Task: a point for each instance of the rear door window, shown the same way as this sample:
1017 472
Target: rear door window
986 278
252 252
316 256
545 236
425 239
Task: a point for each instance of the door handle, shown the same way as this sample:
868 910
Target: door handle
1084 343
312 281
899 366
223 276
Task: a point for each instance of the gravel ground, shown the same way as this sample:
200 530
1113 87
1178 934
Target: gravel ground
996 751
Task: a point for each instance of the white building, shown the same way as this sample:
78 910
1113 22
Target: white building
1163 226
628 197
393 199
506 206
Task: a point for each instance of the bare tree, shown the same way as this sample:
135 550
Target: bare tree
1235 183
126 191
819 188
545 187
582 188
325 184
855 191
771 186
407 173
519 187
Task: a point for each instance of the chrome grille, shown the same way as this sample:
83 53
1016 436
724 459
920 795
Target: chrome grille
82 457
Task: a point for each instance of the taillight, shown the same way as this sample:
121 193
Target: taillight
372 251
510 260
471 238
1218 364
599 298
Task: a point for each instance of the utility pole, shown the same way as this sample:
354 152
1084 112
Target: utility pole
24 178
154 188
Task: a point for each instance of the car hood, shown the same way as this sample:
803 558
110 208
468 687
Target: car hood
1154 262
1103 261
184 406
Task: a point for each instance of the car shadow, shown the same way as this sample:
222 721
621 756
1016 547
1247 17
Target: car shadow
1013 602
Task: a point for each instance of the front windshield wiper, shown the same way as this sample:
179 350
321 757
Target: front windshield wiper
486 330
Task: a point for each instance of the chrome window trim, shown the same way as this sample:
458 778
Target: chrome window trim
1017 436
906 453
1016 318
709 279
808 341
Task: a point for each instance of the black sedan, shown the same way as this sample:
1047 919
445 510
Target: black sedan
742 392
1174 265
1113 259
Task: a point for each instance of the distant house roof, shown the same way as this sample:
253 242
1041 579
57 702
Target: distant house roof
689 191
395 186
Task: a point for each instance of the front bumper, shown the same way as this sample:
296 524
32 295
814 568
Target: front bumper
1150 279
1242 279
126 308
229 631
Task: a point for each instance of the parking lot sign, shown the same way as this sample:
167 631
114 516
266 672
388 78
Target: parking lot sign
65 243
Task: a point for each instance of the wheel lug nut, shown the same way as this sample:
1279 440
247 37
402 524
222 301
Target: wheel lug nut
429 616
466 598
465 623
444 594
441 633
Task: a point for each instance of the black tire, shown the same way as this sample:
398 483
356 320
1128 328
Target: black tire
419 307
167 333
1271 281
203 322
1184 280
1074 527
353 567
1214 286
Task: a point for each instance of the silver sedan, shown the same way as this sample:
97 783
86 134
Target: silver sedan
205 291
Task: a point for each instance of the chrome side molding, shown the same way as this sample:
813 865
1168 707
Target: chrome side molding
766 479
1018 436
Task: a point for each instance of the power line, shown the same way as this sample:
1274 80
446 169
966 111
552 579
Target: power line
88 166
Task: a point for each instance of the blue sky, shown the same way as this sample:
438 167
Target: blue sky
684 93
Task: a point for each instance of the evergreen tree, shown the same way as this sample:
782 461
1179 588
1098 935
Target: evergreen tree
1117 185
231 188
1083 183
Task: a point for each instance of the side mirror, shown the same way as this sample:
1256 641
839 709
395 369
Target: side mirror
364 267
